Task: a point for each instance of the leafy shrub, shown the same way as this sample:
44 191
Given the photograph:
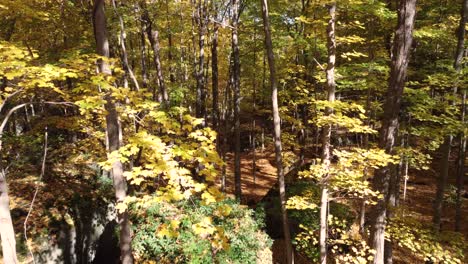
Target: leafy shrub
303 209
191 231
408 232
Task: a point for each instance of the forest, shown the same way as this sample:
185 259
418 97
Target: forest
233 131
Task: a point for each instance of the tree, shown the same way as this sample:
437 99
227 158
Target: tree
7 232
153 37
387 138
236 97
277 131
462 137
326 132
113 131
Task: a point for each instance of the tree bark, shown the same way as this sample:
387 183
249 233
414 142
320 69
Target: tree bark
442 182
113 131
326 132
126 66
398 68
7 233
215 81
446 147
461 137
236 89
153 37
460 170
201 20
277 131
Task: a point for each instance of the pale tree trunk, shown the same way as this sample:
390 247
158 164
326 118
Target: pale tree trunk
462 137
277 131
7 233
399 64
143 52
201 21
126 66
326 132
113 130
236 89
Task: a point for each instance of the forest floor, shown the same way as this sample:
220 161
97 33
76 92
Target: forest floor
421 188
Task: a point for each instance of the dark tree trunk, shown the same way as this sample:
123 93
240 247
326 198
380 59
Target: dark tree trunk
153 37
236 89
461 137
399 65
446 147
113 131
277 131
442 181
460 170
215 81
170 48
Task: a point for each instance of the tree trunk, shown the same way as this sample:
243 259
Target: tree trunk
254 106
7 233
143 52
215 82
126 66
446 147
201 21
277 132
462 137
153 37
326 136
172 78
113 131
399 64
460 170
236 89
442 182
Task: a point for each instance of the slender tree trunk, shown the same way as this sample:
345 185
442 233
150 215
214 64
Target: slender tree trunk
326 132
143 52
153 37
113 131
201 20
462 137
170 56
123 48
226 119
254 101
277 132
215 81
399 65
460 170
7 233
236 89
